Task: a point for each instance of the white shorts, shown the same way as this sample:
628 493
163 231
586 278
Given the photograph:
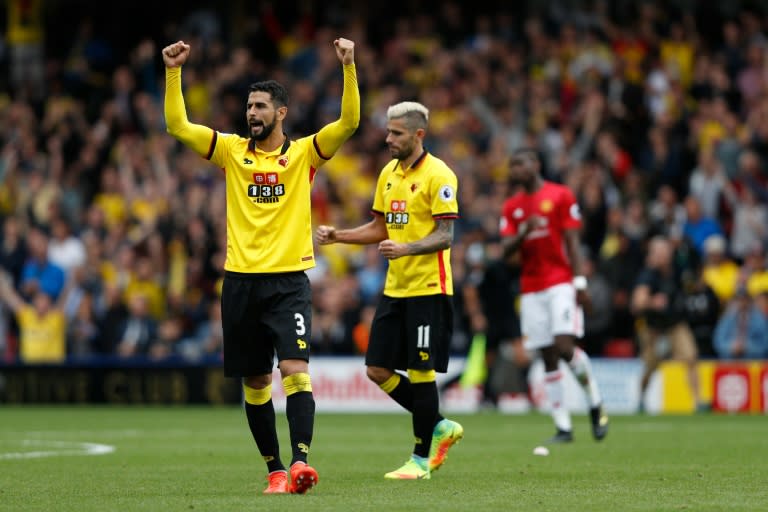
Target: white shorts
545 314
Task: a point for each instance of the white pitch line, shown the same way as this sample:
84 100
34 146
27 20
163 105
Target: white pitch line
123 432
59 448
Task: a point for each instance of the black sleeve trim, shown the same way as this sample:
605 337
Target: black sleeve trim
213 145
317 148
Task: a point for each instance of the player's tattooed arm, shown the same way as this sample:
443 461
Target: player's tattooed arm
440 238
437 240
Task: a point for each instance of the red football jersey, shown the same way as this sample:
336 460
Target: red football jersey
544 260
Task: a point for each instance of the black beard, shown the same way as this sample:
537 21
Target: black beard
266 131
401 153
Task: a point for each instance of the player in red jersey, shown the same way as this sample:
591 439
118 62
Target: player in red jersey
542 220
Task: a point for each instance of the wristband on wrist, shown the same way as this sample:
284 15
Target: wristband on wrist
580 282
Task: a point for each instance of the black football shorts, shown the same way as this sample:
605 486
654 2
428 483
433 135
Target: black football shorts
411 333
264 315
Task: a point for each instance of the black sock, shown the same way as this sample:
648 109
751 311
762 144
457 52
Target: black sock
300 409
403 393
261 420
425 414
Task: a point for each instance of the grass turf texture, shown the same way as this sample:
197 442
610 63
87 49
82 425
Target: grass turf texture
203 459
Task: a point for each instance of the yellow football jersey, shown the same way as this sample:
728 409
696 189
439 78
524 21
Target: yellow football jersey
42 339
269 224
410 201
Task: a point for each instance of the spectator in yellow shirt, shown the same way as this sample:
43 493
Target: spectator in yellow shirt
720 272
754 271
146 282
42 325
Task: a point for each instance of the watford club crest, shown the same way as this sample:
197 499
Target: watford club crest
546 206
283 161
414 187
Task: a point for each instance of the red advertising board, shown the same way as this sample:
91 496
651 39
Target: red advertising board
732 389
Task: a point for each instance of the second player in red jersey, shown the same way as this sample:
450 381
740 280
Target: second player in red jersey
554 209
542 221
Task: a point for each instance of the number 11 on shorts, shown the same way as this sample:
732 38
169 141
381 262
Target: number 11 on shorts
423 337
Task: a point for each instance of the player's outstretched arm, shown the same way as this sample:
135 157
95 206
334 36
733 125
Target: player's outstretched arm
332 136
370 233
195 136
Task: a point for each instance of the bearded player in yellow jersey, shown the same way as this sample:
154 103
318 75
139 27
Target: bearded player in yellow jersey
414 209
265 302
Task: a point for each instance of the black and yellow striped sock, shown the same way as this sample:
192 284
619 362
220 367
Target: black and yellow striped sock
300 410
261 419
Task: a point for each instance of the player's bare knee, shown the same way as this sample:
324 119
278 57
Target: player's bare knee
551 357
258 381
565 346
377 374
292 366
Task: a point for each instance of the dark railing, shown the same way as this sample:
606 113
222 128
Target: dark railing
116 380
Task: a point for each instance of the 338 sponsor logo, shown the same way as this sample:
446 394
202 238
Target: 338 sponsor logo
397 217
266 188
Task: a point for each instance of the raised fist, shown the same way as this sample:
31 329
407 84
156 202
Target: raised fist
175 55
345 50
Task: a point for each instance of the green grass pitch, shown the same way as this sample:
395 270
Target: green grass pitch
203 459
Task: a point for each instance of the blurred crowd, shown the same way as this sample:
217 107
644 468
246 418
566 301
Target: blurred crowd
656 117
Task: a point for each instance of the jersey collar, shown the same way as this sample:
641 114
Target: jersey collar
416 163
283 149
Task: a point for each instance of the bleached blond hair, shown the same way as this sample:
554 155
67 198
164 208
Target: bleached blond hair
416 115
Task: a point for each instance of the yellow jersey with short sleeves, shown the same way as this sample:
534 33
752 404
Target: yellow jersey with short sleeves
269 223
42 339
410 201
